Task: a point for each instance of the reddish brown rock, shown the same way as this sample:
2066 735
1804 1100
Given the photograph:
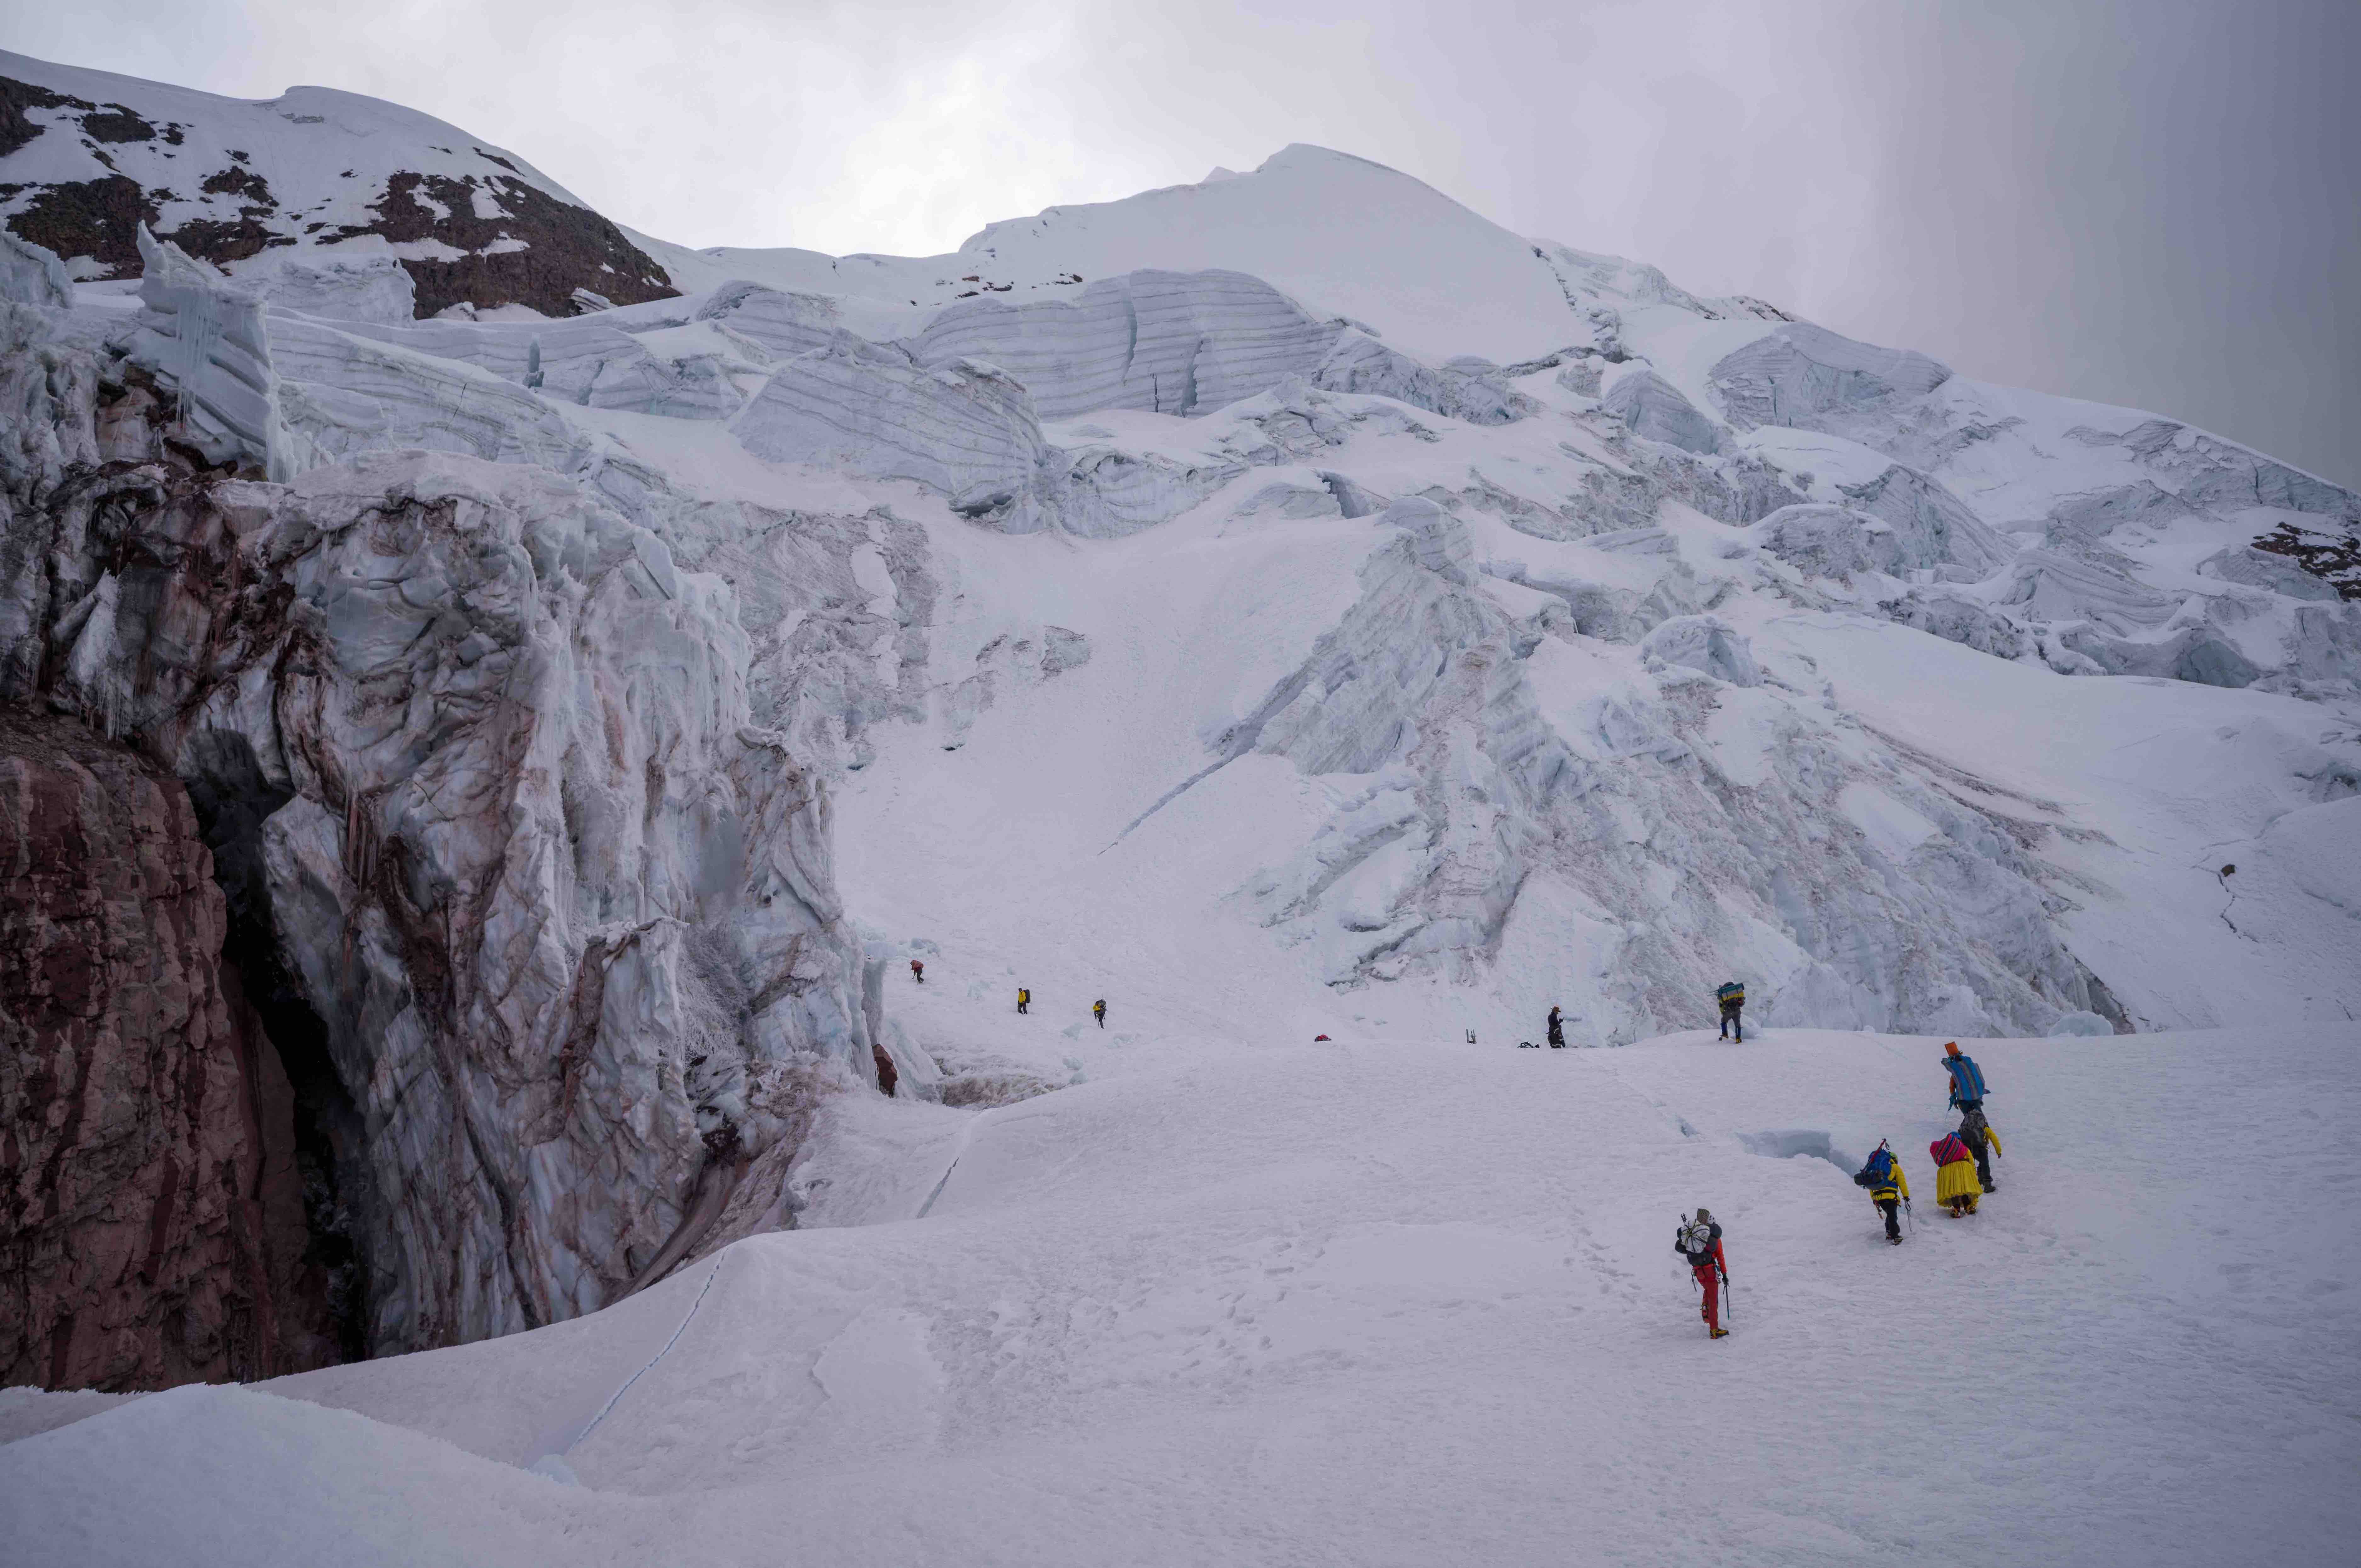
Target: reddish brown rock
151 1217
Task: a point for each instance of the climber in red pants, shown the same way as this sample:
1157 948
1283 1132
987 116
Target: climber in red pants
1699 1244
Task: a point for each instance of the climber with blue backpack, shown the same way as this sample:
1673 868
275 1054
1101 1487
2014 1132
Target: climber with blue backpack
1888 1189
1967 1099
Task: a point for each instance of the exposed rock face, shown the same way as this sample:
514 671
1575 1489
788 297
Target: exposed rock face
551 246
2332 557
256 185
155 1229
481 759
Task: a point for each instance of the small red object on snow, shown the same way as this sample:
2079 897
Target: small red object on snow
1317 1038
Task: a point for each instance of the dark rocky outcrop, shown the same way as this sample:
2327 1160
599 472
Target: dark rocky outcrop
2334 558
518 239
564 248
154 1226
16 128
97 218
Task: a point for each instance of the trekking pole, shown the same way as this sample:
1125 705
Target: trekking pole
1727 1304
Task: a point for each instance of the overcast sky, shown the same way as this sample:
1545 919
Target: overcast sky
2146 201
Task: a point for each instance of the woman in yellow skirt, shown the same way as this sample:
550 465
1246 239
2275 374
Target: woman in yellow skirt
1955 1175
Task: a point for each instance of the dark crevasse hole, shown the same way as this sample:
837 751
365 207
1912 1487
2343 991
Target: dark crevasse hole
1787 1142
232 801
328 1136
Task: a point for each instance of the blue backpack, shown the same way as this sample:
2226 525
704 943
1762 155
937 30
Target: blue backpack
1878 1172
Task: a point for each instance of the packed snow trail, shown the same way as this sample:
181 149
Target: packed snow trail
1392 1303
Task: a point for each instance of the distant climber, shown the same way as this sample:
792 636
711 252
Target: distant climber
1732 997
1888 1189
1699 1244
1556 1031
1967 1099
918 971
1955 1174
1024 999
1098 1011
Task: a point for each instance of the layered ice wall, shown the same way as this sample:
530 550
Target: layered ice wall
205 337
1166 342
964 430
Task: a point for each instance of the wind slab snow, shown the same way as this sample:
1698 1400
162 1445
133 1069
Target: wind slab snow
1284 606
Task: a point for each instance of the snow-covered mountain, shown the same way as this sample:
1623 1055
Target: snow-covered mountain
87 157
1285 606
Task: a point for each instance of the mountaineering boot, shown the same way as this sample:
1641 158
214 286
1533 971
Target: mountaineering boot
1719 1334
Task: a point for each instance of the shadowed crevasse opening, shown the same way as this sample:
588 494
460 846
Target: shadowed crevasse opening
232 801
1787 1142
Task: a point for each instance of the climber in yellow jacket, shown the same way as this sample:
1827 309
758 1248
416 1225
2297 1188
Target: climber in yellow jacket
1888 1189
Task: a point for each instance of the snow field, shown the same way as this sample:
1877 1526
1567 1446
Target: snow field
1393 1304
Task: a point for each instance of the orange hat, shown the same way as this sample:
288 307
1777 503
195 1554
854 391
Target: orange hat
1951 1047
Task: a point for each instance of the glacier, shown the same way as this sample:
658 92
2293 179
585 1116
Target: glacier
1287 606
1563 695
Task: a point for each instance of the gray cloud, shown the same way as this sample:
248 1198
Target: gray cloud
2139 201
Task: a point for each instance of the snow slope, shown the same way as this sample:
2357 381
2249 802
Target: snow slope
1364 1303
1284 606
